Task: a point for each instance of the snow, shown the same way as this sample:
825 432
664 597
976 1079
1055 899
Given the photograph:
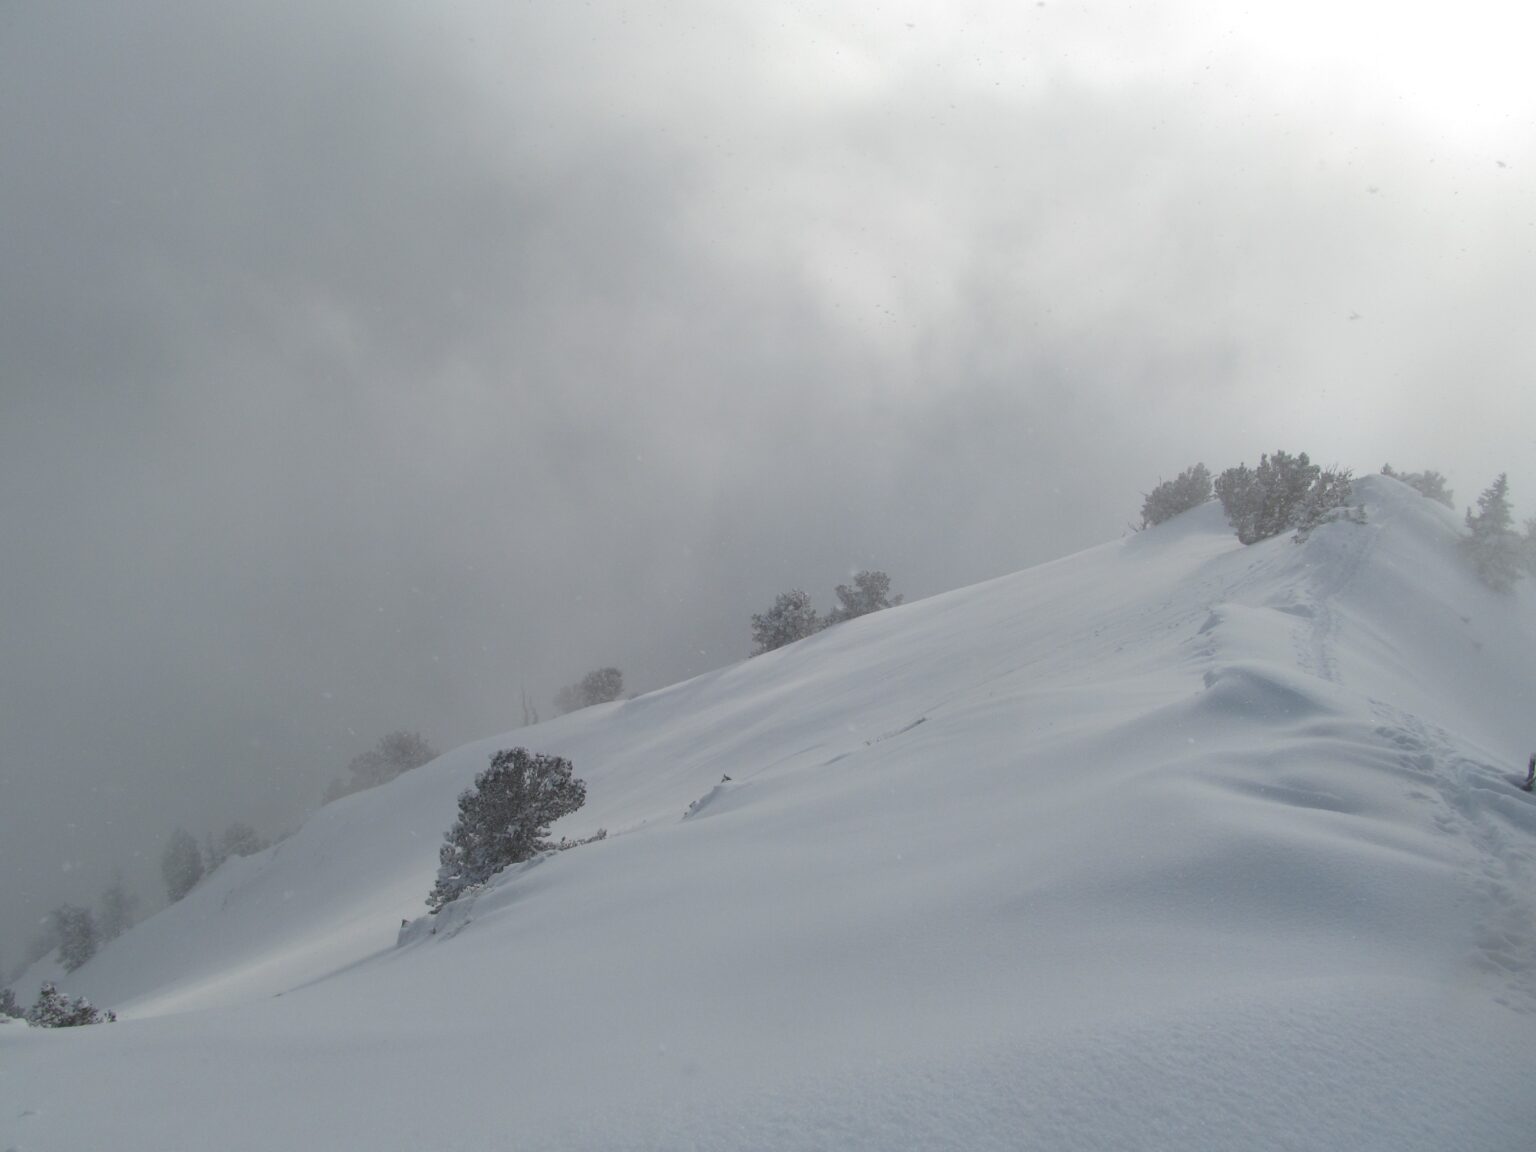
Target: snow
1170 844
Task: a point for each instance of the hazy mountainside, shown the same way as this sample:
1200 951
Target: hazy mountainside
1172 843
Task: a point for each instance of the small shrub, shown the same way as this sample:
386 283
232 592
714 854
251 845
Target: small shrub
1190 489
9 1009
504 819
56 1010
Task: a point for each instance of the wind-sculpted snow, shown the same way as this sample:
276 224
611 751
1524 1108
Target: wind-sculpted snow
1170 844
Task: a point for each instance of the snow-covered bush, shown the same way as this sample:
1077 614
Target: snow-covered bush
504 818
1427 483
76 929
1491 544
791 618
598 687
1282 493
1190 489
394 755
56 1010
869 592
9 1009
181 864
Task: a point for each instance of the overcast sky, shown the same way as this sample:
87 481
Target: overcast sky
364 364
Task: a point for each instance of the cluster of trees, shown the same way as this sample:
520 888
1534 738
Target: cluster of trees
1427 483
53 1009
1285 493
184 863
793 616
1282 493
597 687
504 819
76 932
395 754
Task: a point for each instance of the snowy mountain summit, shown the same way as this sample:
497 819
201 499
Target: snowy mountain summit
1171 844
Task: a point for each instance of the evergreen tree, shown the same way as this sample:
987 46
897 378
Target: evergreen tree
1190 489
870 592
76 929
1282 493
181 864
394 755
598 687
116 911
53 1009
1491 543
504 819
8 1006
791 618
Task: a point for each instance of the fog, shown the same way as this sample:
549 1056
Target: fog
364 367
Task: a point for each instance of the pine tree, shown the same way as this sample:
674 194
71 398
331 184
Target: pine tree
181 864
1491 544
791 618
504 819
1282 493
116 911
76 929
1190 489
870 592
54 1009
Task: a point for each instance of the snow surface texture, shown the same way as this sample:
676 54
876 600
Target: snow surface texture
1170 844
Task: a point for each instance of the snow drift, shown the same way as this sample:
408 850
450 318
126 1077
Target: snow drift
1172 843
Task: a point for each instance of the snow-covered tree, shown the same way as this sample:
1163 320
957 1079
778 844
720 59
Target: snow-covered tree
115 913
181 864
1190 489
9 1008
239 839
1427 483
54 1009
504 818
395 754
791 618
869 592
1491 543
597 687
1282 493
76 929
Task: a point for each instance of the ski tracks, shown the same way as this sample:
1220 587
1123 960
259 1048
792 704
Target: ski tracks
1475 804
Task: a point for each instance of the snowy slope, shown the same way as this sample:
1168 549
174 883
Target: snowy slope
1172 843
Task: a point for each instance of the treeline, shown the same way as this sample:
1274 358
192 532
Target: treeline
793 616
1286 493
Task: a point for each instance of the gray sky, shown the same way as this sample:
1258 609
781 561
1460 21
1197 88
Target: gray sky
363 365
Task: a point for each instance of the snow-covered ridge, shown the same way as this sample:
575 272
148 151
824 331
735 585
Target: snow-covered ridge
1171 843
